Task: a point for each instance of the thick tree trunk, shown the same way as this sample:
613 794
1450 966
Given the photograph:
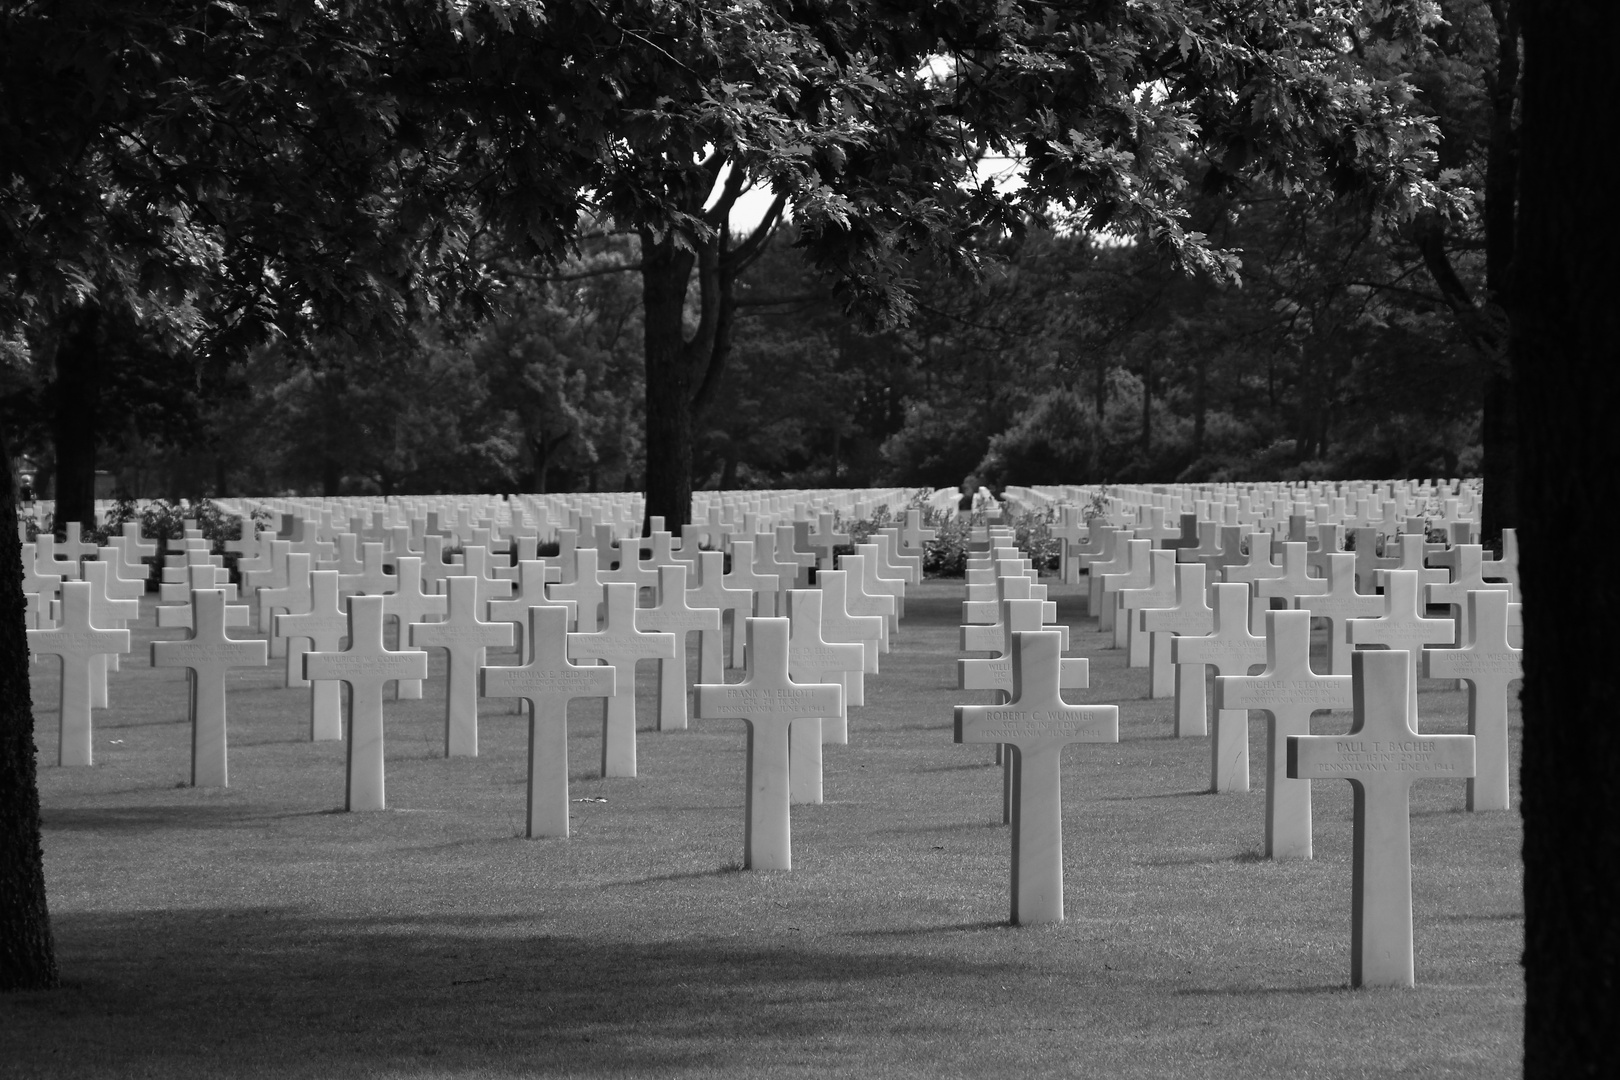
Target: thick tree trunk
1500 435
1565 346
665 272
27 953
75 405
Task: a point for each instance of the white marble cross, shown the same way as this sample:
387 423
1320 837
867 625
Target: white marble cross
323 625
839 624
1130 570
769 701
1337 604
1160 592
1404 628
780 573
761 586
465 638
1037 723
585 592
209 654
825 539
81 645
857 601
372 577
1382 756
531 578
813 659
1288 691
914 538
1231 650
1294 581
675 616
871 556
410 603
995 673
1190 617
366 665
1487 663
620 644
711 591
548 682
292 598
787 551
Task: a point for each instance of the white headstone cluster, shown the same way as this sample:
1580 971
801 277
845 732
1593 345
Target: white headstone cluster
1215 590
359 592
1230 580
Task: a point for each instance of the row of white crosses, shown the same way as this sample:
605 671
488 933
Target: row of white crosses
1383 753
1006 613
312 611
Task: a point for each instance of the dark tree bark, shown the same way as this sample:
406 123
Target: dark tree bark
1501 432
27 952
684 370
1147 404
75 408
1565 348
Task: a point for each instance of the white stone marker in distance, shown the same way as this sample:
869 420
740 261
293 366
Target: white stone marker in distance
768 701
1230 650
324 624
1288 691
674 615
1487 663
1382 755
464 637
79 644
620 644
1037 724
548 682
367 665
813 659
210 655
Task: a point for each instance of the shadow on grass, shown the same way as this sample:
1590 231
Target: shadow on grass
1204 860
1156 795
186 815
260 993
690 875
1262 991
914 931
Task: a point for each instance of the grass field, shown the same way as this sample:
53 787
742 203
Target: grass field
258 931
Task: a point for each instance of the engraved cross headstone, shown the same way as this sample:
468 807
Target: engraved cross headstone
464 637
768 700
324 625
620 644
813 659
1037 723
675 616
548 682
1487 663
1404 628
80 644
366 665
1191 617
209 654
1231 650
1289 692
1382 755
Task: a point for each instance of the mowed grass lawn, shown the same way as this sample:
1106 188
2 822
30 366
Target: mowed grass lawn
259 931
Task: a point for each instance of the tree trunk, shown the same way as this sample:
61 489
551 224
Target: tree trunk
1500 431
665 272
1564 333
27 952
1147 404
75 403
1200 403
